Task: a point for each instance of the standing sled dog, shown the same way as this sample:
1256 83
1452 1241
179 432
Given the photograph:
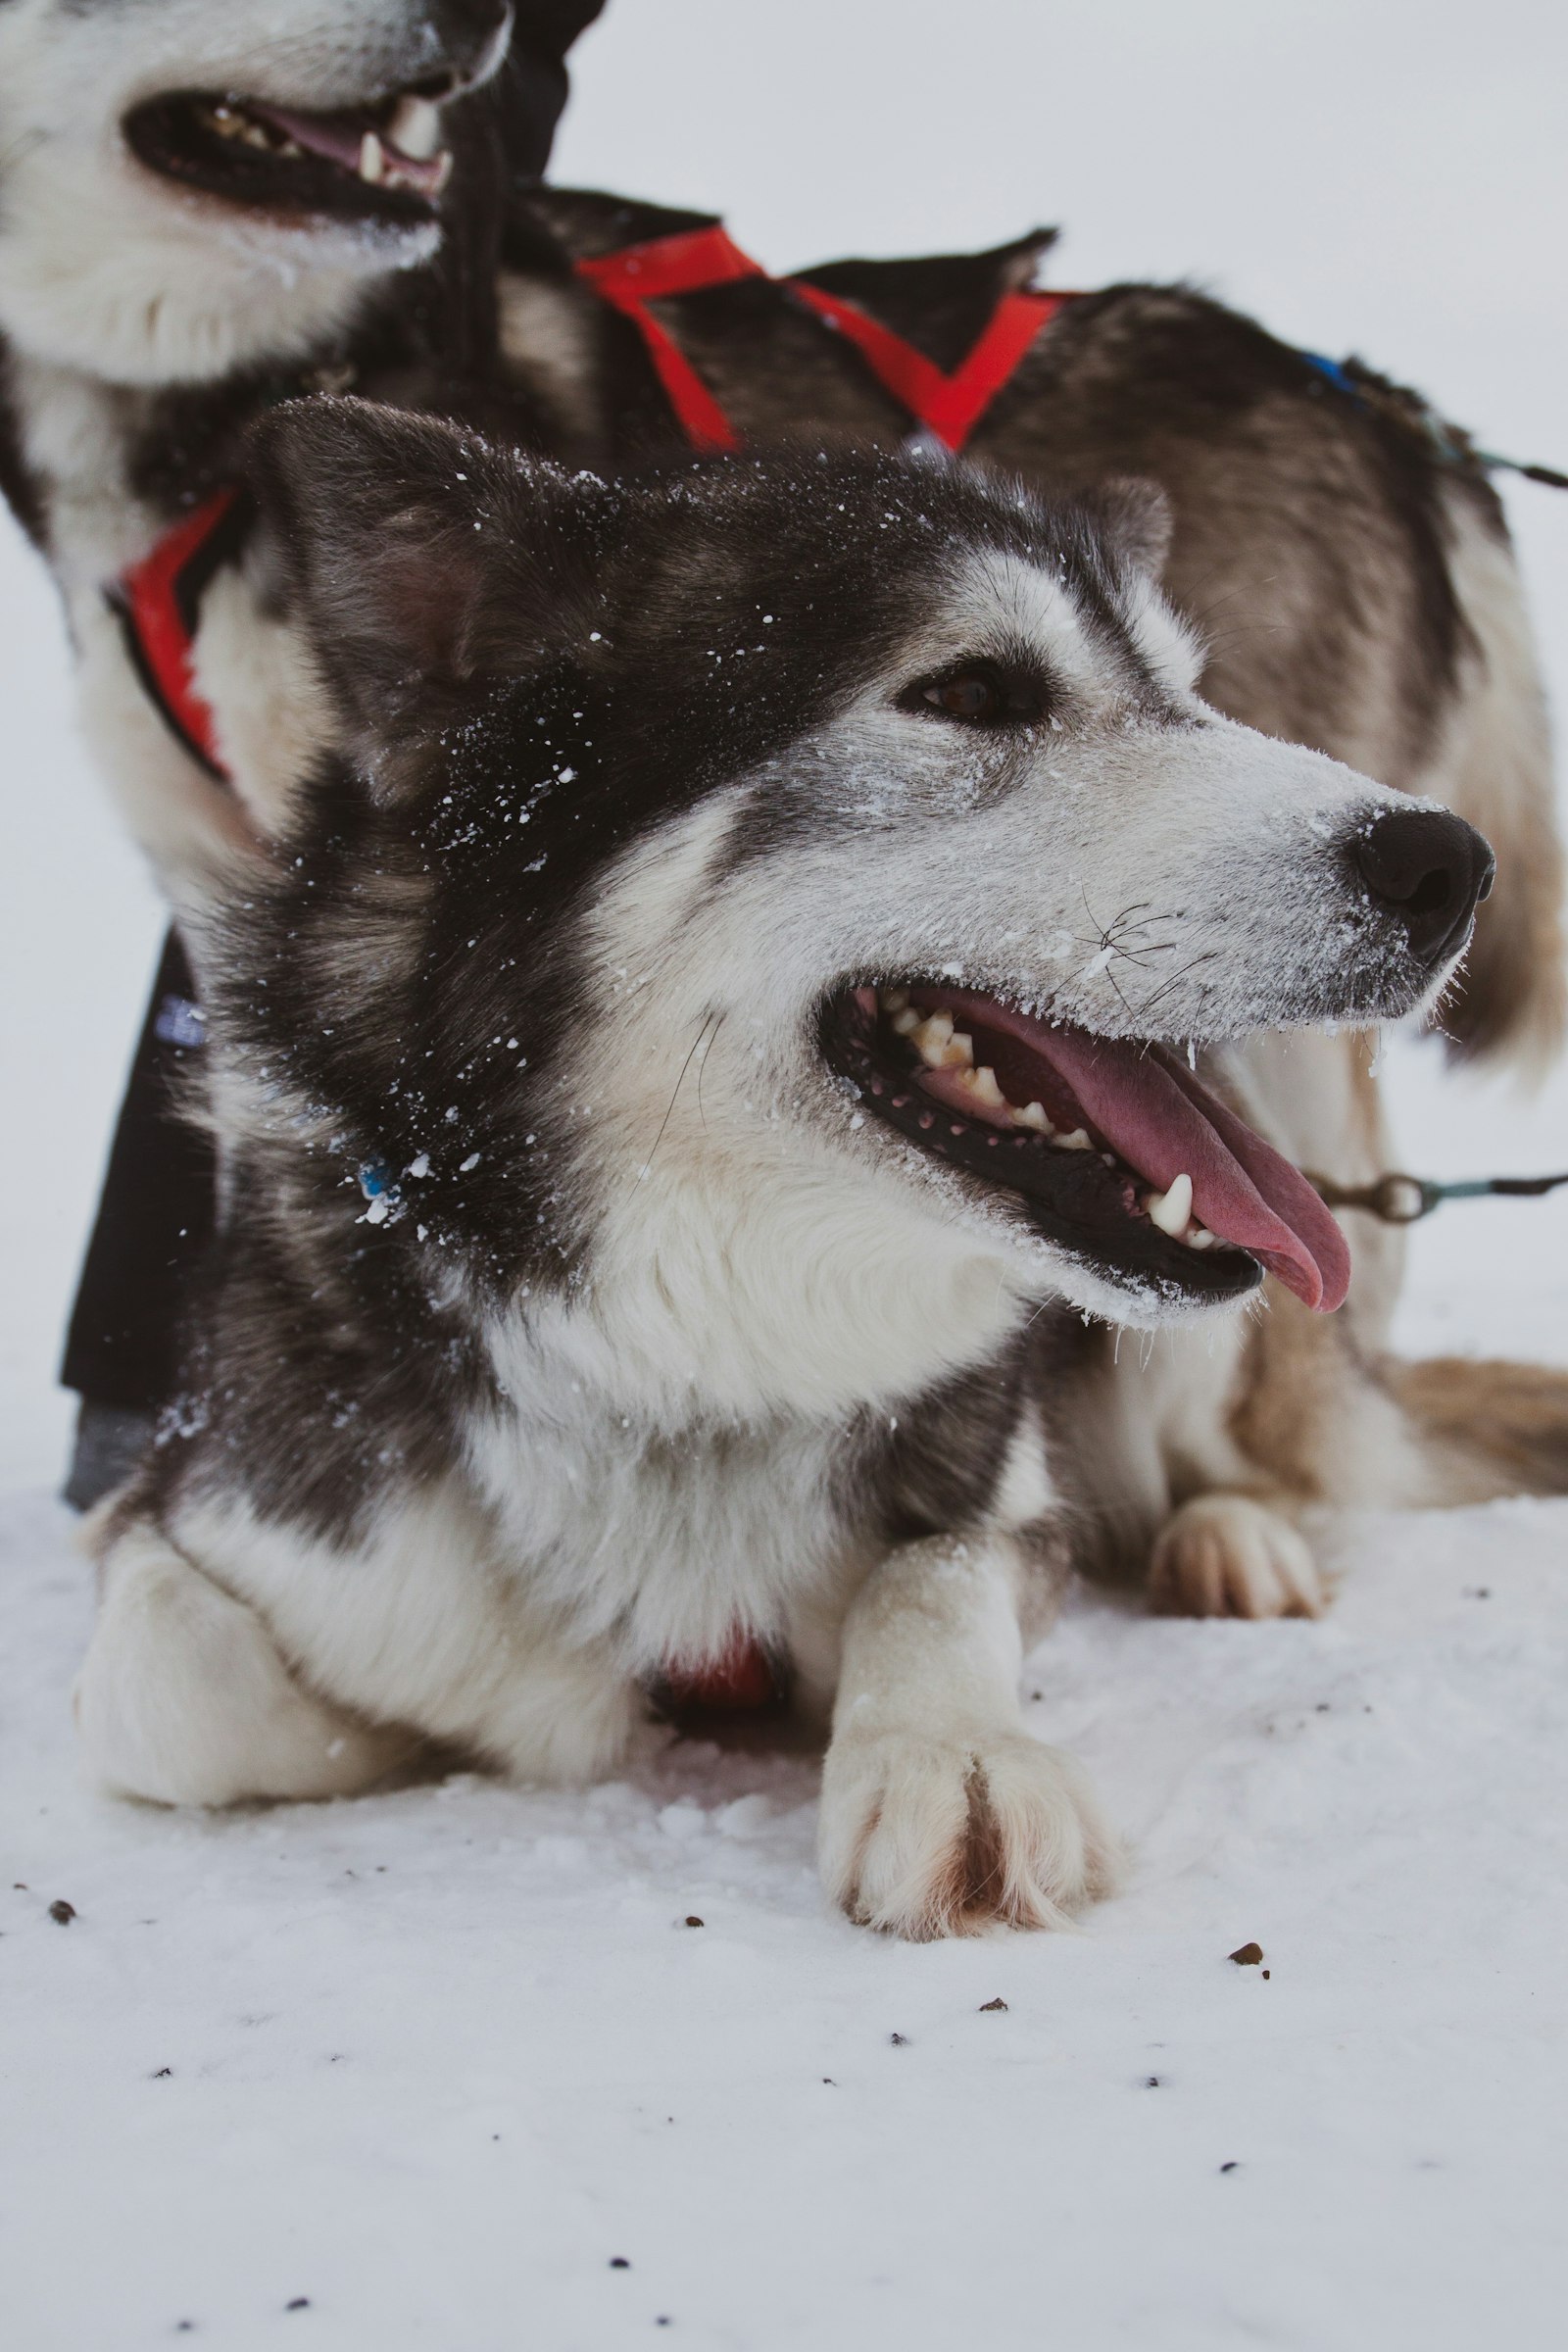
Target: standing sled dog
199 218
660 1082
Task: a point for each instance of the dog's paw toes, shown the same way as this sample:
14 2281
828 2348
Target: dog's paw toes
924 1838
1224 1555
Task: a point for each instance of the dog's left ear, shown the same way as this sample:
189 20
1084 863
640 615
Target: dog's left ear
1135 519
430 565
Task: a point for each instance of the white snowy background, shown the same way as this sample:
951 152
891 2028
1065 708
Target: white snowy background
410 2072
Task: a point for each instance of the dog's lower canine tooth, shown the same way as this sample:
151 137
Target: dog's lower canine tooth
1199 1237
984 1089
1171 1210
372 160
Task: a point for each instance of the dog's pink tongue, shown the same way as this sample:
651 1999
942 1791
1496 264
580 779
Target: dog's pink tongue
336 136
1160 1119
339 138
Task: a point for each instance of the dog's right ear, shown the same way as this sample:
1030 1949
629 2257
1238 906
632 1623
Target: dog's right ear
430 565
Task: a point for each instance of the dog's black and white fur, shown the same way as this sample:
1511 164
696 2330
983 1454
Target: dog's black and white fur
577 1305
164 276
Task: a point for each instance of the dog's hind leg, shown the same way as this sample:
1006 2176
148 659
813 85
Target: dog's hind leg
940 1815
185 1697
1233 1556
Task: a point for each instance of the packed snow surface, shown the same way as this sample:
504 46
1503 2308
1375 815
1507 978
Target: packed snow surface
448 2068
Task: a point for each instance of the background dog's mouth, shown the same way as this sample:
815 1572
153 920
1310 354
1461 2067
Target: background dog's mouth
1112 1145
381 162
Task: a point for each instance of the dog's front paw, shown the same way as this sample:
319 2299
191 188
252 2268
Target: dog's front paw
1224 1555
925 1837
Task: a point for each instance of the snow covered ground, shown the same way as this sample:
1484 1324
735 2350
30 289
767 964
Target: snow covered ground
417 2070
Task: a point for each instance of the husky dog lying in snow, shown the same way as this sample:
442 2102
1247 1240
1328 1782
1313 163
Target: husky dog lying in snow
203 209
659 1082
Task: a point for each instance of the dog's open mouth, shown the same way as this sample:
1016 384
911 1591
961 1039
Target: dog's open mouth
385 162
1114 1148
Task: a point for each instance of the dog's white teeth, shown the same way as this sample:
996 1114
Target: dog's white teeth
895 1000
1199 1237
959 1053
1078 1141
292 149
372 160
443 171
1171 1210
983 1086
1032 1115
415 128
931 1038
906 1023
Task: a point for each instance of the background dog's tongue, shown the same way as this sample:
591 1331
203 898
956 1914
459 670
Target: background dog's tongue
1162 1121
336 136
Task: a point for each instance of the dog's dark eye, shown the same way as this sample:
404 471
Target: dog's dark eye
977 695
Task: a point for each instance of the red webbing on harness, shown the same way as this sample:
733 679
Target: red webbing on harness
149 603
738 1681
947 406
686 262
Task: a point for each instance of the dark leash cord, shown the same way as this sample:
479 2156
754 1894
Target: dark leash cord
1398 1200
1450 444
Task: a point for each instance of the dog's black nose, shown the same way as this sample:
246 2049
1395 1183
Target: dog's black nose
468 28
1429 868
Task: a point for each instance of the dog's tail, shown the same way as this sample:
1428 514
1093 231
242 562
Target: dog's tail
1483 1428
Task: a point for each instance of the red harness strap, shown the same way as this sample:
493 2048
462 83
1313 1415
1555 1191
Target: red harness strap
686 262
949 406
157 600
737 1682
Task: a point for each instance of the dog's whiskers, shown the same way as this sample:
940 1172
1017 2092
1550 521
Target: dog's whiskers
710 1020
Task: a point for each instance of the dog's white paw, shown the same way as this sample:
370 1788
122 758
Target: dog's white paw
1224 1555
925 1837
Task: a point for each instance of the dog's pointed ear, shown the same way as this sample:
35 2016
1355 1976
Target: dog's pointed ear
428 565
1137 520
